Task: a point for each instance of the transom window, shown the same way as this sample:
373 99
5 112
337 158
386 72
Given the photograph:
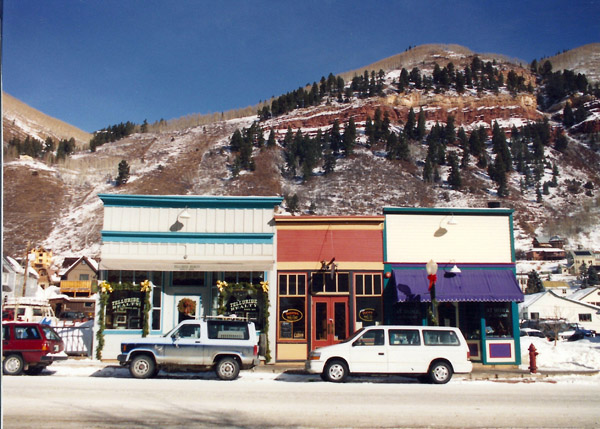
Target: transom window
323 282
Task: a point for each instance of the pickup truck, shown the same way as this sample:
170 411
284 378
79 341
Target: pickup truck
224 345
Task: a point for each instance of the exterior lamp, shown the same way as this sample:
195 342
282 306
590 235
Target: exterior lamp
183 215
431 268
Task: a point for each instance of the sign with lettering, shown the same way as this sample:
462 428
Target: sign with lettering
292 315
367 314
249 304
125 303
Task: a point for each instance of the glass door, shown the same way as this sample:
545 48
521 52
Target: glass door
329 320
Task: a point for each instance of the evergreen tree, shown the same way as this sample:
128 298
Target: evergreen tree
454 179
123 175
336 137
349 139
329 162
370 132
592 276
568 116
428 171
411 122
236 141
561 142
420 132
271 140
534 283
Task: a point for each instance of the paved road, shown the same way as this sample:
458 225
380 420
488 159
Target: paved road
288 400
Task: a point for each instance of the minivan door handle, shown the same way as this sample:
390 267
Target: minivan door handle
381 354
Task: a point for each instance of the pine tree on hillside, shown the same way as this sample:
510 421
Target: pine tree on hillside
454 179
349 138
123 173
411 123
271 140
420 132
335 137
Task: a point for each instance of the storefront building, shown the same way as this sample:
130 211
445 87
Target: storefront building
184 245
473 286
329 280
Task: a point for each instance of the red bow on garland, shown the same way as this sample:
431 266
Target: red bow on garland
432 279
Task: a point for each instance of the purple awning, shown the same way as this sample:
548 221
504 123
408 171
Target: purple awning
485 285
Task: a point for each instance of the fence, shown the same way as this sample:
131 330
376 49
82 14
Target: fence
79 340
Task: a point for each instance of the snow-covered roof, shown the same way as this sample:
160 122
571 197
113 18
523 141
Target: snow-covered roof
533 298
578 295
90 262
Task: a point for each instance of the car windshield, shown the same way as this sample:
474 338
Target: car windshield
354 335
50 333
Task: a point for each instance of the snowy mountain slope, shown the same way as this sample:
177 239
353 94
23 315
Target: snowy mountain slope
57 206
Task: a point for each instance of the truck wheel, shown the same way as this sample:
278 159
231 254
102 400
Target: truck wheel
142 366
228 369
335 371
13 365
440 373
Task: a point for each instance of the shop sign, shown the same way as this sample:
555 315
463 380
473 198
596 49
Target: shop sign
249 304
125 303
292 315
367 314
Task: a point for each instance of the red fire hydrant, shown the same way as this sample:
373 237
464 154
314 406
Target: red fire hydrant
532 359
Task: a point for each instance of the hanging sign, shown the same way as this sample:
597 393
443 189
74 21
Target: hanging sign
249 304
292 315
367 314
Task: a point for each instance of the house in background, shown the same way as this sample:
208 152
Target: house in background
547 249
560 287
549 305
13 282
576 258
40 259
79 277
590 295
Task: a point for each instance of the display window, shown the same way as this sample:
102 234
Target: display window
292 307
368 302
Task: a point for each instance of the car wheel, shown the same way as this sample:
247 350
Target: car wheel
142 366
440 373
34 370
227 369
13 365
336 371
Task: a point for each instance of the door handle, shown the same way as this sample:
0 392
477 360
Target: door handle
381 354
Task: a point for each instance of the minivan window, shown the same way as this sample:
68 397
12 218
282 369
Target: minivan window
440 338
373 337
404 337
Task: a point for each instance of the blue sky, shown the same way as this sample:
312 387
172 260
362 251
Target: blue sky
94 63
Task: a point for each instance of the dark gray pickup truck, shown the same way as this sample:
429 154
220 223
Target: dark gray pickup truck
224 345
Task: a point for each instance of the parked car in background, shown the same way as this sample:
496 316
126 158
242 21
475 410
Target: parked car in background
224 345
26 309
530 332
29 348
430 352
576 332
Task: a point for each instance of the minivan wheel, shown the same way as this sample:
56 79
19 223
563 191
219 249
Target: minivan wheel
227 369
440 373
13 365
336 371
142 366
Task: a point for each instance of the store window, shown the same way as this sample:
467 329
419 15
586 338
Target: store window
498 321
292 307
325 283
124 309
369 303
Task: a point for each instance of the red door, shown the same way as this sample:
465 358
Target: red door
329 320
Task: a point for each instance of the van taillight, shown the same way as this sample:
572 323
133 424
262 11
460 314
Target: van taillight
255 350
469 355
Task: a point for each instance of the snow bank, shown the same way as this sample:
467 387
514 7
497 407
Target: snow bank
582 355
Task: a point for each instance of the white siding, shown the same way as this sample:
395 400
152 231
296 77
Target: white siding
416 238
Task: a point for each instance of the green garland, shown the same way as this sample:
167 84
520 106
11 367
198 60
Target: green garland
106 289
260 291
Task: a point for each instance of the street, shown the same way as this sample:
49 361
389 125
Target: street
110 400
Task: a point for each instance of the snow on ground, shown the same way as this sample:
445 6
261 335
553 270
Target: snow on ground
582 355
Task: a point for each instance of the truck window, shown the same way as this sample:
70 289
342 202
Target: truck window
228 330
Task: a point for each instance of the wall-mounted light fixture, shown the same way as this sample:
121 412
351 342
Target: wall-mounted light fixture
184 214
452 221
454 269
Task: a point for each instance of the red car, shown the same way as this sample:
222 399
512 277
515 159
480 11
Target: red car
29 347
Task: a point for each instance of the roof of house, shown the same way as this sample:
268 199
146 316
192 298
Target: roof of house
533 298
554 284
76 261
579 294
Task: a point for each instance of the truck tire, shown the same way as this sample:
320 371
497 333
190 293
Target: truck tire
142 366
227 368
13 365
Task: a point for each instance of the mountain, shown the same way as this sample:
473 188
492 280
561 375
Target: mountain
56 204
20 120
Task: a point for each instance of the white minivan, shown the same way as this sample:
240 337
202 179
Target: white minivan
433 352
